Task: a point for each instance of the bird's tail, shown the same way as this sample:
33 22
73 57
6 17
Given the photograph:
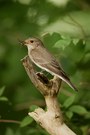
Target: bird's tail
67 80
71 84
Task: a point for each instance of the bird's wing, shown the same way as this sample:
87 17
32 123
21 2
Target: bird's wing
46 60
55 68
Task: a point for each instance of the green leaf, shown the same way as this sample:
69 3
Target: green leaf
48 38
87 116
3 99
2 90
26 121
78 109
9 131
69 114
69 101
76 40
33 107
62 43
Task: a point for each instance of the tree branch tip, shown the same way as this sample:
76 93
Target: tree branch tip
37 111
33 115
36 114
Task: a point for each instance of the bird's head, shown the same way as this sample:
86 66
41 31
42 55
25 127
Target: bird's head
31 42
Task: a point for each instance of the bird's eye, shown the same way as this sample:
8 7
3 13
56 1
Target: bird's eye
31 41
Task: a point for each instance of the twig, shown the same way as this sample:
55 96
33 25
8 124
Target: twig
51 120
9 121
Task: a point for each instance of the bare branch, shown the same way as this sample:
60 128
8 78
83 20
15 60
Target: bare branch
51 120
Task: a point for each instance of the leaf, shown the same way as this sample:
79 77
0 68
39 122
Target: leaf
26 121
9 131
55 36
69 101
3 99
33 107
78 109
62 43
87 116
69 114
2 90
48 38
75 40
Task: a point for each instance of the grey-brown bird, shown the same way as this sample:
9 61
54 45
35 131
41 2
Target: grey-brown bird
45 60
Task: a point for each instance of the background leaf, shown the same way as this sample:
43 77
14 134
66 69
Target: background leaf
26 121
69 101
78 109
62 43
3 99
69 114
2 90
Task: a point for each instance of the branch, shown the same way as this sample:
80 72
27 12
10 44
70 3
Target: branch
9 121
51 119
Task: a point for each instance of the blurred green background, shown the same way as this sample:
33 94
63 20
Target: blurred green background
64 27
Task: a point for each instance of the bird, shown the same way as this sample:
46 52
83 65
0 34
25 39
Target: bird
45 60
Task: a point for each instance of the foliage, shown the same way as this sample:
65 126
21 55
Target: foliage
2 98
64 28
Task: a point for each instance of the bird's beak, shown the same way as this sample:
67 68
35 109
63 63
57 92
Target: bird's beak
22 42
